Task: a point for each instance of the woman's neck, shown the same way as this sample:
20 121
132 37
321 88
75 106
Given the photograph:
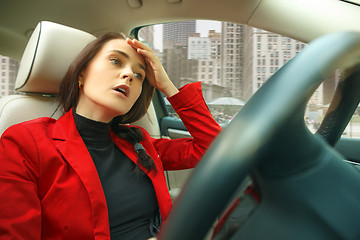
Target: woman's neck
93 132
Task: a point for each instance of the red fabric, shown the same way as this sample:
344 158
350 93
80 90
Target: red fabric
49 185
249 191
223 219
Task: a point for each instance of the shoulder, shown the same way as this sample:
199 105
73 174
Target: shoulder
35 126
22 146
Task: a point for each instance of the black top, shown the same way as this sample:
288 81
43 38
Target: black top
130 196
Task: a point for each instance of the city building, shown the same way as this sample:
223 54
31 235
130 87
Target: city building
208 51
177 33
8 73
232 59
198 47
174 59
265 53
180 69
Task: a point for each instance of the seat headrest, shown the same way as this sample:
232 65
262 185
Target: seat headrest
50 50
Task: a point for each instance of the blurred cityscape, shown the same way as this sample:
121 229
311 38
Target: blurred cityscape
232 63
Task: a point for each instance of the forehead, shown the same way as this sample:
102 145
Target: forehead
116 45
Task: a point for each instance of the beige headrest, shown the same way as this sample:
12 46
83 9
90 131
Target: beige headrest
50 50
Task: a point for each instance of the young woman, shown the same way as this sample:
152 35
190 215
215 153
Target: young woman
90 175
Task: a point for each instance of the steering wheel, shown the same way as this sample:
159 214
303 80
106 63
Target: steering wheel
307 190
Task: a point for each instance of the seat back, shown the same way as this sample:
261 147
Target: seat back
49 52
47 56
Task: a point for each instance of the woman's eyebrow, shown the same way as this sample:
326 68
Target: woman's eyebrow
121 53
127 57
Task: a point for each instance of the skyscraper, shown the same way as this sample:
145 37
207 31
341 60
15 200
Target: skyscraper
232 62
264 54
177 33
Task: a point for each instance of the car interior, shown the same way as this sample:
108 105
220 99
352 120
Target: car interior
307 181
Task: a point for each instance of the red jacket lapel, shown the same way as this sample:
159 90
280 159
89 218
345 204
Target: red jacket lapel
73 149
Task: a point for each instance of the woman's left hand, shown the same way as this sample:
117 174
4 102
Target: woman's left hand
155 73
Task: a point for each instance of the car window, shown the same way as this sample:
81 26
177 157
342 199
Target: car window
8 72
232 61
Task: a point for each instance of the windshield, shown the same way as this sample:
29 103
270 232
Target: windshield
232 62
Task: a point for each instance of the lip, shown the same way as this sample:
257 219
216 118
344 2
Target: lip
125 87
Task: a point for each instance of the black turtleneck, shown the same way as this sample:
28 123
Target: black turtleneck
130 196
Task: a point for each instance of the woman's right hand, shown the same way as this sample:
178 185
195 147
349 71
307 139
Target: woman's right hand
155 72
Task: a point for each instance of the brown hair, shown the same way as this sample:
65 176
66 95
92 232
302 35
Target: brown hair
69 95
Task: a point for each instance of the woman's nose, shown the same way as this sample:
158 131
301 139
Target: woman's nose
127 75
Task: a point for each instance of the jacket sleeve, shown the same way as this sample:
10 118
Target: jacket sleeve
20 216
185 153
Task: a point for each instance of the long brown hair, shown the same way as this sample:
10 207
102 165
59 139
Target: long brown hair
69 95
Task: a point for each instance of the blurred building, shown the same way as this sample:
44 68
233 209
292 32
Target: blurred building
207 50
265 53
198 47
232 59
177 33
8 73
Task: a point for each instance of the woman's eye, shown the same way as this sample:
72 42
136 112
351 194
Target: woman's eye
115 61
138 76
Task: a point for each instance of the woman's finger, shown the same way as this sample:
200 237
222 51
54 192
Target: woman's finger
137 44
149 56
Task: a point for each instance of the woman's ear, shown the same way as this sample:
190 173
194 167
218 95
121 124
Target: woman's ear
82 74
81 78
81 81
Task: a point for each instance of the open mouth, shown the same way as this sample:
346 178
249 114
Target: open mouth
121 90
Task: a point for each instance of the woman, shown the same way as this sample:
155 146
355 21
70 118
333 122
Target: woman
89 175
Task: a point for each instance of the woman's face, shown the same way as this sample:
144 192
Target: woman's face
112 82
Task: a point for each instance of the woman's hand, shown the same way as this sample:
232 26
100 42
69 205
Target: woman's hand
155 72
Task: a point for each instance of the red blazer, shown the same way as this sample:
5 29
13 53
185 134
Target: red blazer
49 186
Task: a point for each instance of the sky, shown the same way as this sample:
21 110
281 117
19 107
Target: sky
202 27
